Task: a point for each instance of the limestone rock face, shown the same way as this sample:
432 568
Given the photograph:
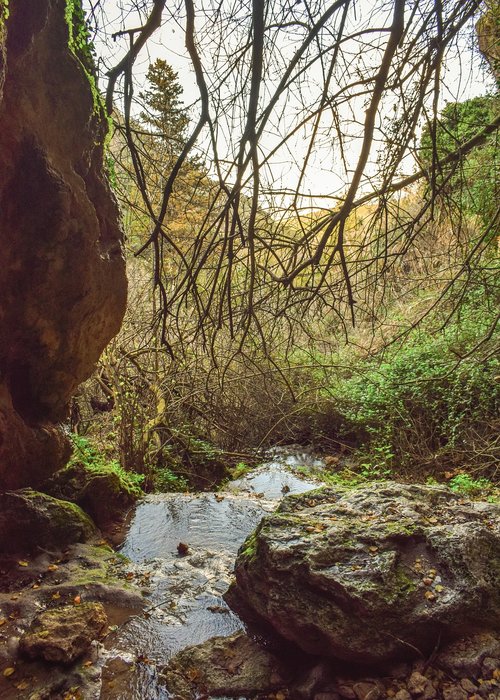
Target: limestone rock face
64 634
372 574
62 275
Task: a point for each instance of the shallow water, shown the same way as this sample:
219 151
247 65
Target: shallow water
185 592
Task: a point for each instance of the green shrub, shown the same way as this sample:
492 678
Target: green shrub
87 454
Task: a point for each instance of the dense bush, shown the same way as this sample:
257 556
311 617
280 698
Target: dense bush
421 406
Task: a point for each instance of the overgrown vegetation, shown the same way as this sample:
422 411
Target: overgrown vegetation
93 460
216 360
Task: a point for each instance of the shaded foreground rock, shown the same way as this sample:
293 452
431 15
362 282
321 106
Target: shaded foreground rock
238 666
64 634
372 574
102 493
232 666
62 277
29 519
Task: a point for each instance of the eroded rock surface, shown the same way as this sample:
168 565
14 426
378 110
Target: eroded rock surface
372 574
63 634
62 278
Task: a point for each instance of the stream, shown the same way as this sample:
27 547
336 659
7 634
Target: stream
184 592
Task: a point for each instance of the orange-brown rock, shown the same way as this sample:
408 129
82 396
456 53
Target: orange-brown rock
62 273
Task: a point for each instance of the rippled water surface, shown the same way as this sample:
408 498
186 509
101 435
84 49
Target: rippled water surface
185 592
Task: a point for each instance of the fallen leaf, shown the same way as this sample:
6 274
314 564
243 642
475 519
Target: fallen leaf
427 581
22 685
373 549
430 595
129 575
496 674
9 671
77 600
87 663
35 586
56 596
23 563
43 634
192 674
52 567
439 588
3 620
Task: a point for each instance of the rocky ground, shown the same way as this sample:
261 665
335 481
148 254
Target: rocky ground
468 669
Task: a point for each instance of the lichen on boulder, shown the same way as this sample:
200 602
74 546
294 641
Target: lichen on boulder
372 574
62 278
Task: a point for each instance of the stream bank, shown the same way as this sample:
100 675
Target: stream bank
162 598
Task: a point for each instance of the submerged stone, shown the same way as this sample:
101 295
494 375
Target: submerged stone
372 574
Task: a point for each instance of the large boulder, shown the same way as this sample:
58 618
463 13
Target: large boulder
62 276
372 574
29 519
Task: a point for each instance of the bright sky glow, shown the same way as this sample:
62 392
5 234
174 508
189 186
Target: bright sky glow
329 167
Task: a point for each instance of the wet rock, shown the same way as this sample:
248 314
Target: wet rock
232 666
468 686
372 573
30 519
365 690
421 687
62 276
490 666
454 692
464 656
314 679
346 691
64 634
402 695
103 493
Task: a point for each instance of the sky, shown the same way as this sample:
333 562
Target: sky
328 171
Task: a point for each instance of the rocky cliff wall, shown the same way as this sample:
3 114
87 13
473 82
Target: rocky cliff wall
62 271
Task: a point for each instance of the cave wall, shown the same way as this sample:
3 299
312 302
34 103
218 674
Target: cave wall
62 269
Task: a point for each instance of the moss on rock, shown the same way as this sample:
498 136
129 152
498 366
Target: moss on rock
103 492
29 519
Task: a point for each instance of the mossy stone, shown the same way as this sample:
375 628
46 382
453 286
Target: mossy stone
30 519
